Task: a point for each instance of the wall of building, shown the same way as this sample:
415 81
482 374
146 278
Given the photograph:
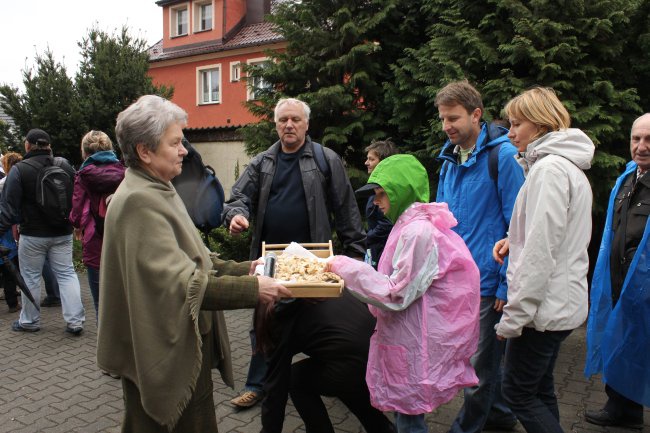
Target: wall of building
224 157
234 12
183 75
218 24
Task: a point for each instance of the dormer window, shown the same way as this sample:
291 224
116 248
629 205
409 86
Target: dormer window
202 16
179 20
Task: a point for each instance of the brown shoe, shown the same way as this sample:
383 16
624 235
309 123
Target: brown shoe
247 399
15 309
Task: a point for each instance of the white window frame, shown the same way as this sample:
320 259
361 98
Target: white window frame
250 90
196 7
199 84
173 19
235 71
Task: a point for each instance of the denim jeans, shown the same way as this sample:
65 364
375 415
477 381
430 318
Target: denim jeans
484 402
256 368
528 385
410 423
93 284
32 252
51 284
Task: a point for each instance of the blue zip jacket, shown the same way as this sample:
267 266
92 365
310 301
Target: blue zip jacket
379 228
618 339
482 205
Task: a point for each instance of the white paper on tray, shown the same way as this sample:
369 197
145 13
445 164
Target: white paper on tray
293 249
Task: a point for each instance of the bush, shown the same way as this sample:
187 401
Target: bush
230 247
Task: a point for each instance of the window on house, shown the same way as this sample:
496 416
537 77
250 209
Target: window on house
256 83
179 21
210 85
235 71
202 16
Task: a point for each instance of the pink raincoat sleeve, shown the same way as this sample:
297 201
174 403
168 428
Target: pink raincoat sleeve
415 267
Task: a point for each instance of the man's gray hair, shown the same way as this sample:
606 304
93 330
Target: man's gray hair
145 121
291 101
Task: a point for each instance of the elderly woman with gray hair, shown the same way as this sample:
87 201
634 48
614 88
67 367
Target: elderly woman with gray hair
160 285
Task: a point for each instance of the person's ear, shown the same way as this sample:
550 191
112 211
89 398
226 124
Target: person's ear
476 115
144 154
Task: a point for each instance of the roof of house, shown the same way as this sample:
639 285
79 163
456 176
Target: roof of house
250 35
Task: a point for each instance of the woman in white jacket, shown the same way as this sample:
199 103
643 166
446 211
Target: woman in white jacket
547 241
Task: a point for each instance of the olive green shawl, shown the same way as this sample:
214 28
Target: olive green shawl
153 275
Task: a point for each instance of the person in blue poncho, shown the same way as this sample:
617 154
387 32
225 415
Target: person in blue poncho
618 330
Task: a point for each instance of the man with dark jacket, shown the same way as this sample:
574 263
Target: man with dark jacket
480 179
289 198
40 236
618 326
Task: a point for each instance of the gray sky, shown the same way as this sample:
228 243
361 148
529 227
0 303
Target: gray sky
30 27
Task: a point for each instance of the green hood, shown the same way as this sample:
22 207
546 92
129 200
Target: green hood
405 181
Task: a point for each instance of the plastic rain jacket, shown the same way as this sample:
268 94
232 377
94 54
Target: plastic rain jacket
549 234
618 339
425 296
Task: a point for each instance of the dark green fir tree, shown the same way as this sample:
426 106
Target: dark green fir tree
338 56
49 102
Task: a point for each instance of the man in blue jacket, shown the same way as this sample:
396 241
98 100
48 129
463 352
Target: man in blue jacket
479 180
618 330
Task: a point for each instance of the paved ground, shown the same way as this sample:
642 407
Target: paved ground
49 383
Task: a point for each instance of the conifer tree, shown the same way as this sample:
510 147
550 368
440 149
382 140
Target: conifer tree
49 102
112 75
506 46
337 58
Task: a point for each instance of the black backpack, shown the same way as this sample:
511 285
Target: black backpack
54 188
200 190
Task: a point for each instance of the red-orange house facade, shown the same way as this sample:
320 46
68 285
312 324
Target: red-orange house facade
205 44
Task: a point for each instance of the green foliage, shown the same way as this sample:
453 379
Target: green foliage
230 247
5 131
49 102
336 60
633 66
507 46
112 74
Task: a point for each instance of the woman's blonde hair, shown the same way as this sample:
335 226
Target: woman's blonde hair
95 141
541 106
10 159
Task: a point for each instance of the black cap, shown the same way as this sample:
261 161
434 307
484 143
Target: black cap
38 137
367 190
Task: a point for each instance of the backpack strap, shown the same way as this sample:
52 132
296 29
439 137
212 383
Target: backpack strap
493 162
324 167
321 161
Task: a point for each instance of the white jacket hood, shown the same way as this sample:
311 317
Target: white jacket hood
571 143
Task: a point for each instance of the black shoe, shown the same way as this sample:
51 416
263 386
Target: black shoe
74 330
50 302
500 426
602 417
17 327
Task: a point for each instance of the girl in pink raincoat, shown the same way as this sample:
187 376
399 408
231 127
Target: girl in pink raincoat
425 295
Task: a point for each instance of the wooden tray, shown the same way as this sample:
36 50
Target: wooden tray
309 289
